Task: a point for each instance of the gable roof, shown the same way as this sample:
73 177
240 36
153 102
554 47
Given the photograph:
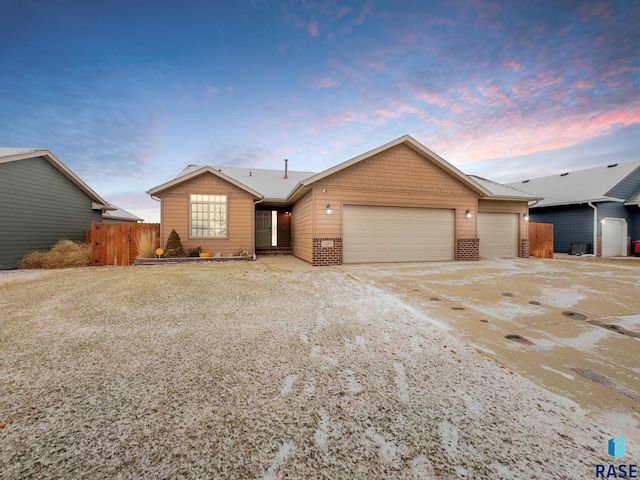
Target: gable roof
270 183
196 171
271 186
16 154
415 145
580 186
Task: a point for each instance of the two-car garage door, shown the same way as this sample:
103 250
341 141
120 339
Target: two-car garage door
397 234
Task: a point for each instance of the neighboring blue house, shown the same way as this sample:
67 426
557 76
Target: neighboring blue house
596 206
41 202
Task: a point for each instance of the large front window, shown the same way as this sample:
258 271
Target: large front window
209 216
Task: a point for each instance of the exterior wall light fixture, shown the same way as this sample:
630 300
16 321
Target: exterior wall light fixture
329 209
468 214
526 217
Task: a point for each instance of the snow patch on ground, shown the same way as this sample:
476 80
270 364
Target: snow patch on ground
480 348
322 432
281 457
587 339
563 297
565 375
630 322
388 450
353 385
401 382
288 384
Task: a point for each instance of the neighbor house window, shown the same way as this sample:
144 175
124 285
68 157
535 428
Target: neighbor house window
208 216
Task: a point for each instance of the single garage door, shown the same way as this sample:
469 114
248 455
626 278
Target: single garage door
396 234
614 237
498 234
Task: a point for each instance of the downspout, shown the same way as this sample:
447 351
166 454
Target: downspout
161 225
255 202
595 228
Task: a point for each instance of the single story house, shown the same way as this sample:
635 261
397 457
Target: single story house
41 202
399 202
595 206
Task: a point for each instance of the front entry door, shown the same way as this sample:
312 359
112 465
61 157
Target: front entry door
263 228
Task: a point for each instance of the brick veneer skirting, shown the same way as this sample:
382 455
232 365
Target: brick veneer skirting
468 249
526 248
324 256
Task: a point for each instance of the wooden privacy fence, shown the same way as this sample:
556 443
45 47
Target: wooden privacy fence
541 239
116 243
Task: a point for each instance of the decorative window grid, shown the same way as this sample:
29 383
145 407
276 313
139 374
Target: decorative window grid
209 216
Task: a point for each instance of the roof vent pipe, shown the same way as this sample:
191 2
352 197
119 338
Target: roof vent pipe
286 167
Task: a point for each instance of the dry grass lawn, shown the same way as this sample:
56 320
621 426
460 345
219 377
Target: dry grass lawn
244 371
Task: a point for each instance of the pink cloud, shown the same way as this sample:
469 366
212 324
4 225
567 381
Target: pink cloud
512 134
582 84
366 11
591 11
387 113
432 98
514 65
494 93
529 86
325 82
340 118
211 90
376 66
442 21
312 28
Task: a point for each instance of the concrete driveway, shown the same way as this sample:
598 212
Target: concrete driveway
572 326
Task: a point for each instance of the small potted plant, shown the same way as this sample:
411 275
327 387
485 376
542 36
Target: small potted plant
195 251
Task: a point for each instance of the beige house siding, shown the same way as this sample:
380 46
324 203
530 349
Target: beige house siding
396 177
301 228
175 214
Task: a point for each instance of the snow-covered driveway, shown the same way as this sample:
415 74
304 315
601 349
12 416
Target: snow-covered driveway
255 371
572 326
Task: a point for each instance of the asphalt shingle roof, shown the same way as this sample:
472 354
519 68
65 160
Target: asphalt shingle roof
270 183
580 186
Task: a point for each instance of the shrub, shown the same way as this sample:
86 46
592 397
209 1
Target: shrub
174 246
147 243
64 254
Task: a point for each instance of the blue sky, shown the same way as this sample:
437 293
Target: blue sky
128 93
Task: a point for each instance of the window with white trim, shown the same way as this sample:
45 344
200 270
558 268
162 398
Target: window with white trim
209 216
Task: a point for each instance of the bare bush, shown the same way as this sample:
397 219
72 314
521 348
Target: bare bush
64 254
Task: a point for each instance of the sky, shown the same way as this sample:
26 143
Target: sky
128 93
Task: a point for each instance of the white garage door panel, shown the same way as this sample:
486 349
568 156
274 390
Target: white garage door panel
614 237
498 234
396 234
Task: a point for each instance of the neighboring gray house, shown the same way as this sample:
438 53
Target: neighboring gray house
596 206
41 202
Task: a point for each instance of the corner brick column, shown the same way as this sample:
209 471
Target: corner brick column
468 249
327 251
526 248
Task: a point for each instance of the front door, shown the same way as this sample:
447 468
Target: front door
263 228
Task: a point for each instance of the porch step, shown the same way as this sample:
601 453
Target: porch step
274 251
